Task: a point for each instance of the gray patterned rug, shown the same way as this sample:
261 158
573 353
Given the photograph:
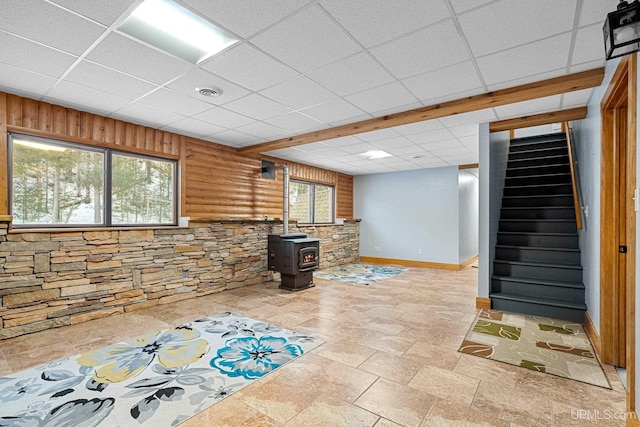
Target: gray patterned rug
362 274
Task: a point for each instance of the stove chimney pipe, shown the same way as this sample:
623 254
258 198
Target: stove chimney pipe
285 191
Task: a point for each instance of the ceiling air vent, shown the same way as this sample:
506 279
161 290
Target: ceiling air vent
209 91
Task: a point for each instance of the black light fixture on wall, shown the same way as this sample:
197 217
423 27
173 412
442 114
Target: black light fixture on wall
622 30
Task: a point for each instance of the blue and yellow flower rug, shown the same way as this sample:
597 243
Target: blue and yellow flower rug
155 380
362 274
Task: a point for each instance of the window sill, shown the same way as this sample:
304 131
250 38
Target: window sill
90 229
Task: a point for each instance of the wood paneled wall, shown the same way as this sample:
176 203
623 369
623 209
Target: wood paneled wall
217 182
344 196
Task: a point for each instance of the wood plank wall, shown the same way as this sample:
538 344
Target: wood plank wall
217 182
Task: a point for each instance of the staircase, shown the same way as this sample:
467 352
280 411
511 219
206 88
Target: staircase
537 259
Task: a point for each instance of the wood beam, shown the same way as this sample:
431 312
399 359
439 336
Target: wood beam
559 116
554 86
469 166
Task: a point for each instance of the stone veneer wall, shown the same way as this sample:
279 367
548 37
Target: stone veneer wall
58 278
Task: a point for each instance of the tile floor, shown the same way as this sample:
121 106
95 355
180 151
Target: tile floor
390 359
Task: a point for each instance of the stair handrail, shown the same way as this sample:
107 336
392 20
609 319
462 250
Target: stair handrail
574 176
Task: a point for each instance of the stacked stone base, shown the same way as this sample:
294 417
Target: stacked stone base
53 279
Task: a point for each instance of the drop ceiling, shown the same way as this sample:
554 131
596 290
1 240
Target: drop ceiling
303 66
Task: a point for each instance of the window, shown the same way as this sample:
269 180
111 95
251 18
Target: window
61 184
311 203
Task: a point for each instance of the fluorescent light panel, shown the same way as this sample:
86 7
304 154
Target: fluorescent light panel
176 30
376 154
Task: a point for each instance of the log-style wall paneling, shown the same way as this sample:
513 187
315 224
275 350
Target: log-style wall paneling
223 184
344 196
216 181
541 89
43 119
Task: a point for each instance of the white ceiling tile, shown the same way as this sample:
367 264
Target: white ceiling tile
525 80
399 141
577 98
249 67
307 40
384 20
353 74
460 6
24 82
111 81
147 114
464 130
257 107
587 66
445 82
509 23
175 101
233 137
362 147
49 25
84 98
460 159
429 163
453 151
351 120
534 106
104 15
195 126
342 141
31 56
431 136
382 98
297 93
188 83
419 127
434 47
264 130
535 58
224 117
314 147
296 122
333 111
441 145
245 17
406 150
149 64
595 12
589 45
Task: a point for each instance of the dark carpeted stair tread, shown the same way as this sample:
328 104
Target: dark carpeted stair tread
539 281
539 264
540 301
539 248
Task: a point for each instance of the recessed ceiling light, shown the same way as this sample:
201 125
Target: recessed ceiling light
209 91
176 30
376 154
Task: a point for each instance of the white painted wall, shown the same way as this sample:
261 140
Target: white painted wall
405 213
468 209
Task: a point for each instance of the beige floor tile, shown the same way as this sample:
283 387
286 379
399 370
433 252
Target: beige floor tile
445 384
433 355
333 412
487 370
344 379
395 368
567 415
447 414
513 405
231 412
398 403
349 354
389 343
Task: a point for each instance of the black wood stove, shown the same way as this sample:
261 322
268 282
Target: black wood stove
294 256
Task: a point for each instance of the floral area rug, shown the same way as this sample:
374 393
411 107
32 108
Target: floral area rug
159 379
362 274
538 343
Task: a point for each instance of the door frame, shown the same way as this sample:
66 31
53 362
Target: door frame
617 342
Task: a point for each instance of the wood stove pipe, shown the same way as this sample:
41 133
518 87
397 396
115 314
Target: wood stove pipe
285 193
